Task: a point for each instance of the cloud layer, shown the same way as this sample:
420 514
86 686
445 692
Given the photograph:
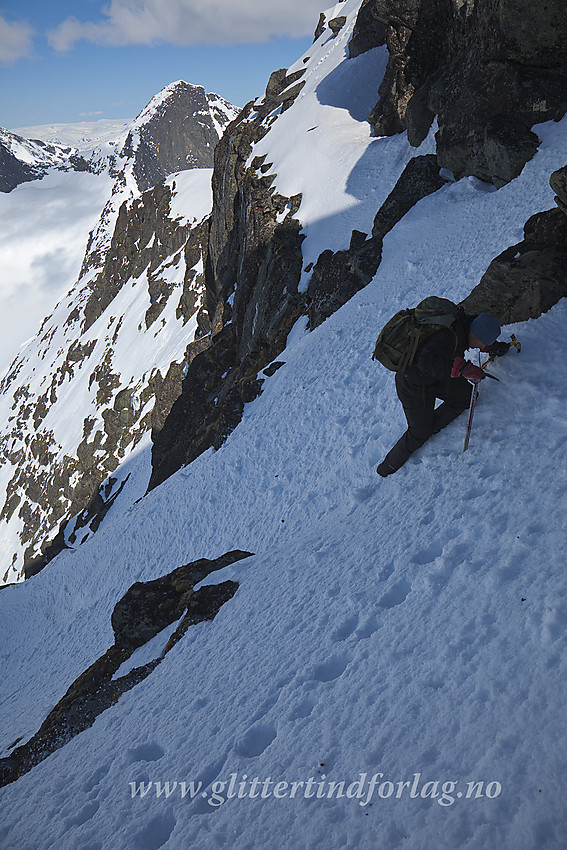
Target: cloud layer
15 41
190 22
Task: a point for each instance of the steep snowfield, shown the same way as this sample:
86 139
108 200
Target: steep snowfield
408 626
405 637
349 173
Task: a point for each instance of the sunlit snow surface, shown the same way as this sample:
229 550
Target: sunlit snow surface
412 626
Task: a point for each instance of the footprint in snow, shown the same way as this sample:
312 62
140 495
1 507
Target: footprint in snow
489 470
88 811
331 669
505 434
255 740
554 622
428 555
345 629
362 494
368 628
303 709
145 752
475 493
428 518
156 832
96 778
396 595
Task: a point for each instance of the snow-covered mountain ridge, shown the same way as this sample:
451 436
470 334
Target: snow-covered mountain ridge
22 160
399 634
152 237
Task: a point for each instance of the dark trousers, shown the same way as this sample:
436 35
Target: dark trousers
418 401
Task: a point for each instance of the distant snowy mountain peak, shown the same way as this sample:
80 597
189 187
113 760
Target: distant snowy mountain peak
181 89
178 129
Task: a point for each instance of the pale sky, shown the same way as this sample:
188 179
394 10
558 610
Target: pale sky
68 61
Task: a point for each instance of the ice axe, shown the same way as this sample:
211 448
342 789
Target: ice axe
512 344
518 346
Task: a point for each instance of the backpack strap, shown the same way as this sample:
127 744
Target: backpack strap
411 350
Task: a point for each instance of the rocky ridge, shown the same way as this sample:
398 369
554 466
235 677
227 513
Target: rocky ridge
425 39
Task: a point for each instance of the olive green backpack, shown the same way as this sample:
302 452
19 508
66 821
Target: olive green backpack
401 337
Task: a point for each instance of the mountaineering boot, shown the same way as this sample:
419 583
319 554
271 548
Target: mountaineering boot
385 469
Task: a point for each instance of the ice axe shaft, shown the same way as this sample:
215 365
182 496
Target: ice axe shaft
474 396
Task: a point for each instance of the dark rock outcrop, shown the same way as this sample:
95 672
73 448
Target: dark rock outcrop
488 69
145 610
144 236
336 24
13 171
558 182
321 26
526 279
179 133
369 30
148 607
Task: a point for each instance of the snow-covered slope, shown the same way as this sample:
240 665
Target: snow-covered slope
34 152
411 629
390 671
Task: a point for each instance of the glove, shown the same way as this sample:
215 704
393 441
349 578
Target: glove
465 369
473 373
499 349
